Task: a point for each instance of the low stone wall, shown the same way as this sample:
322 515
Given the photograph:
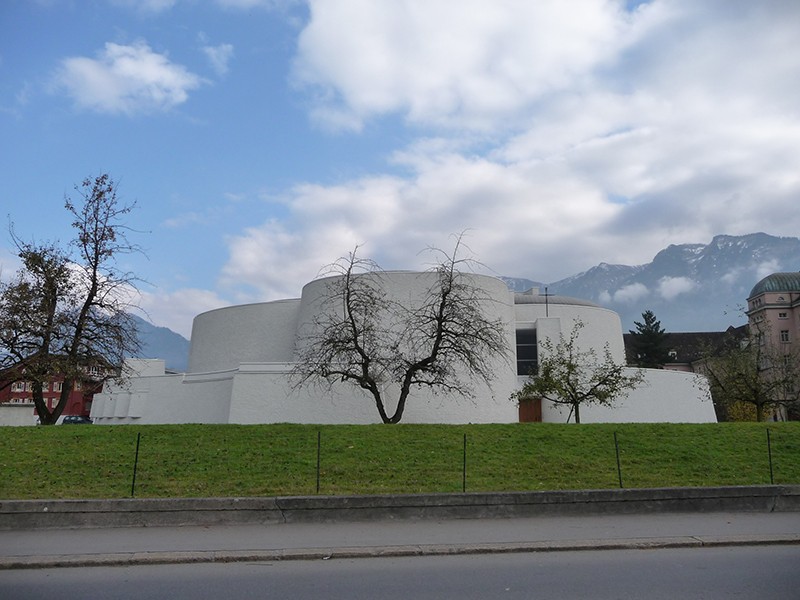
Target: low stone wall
154 512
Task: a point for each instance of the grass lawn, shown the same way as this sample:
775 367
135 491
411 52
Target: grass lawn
268 460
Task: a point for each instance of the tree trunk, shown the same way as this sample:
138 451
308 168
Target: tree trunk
759 412
45 416
577 414
405 390
381 410
398 413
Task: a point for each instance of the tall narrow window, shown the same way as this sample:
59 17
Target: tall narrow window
527 352
784 335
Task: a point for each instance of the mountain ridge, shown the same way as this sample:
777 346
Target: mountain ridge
690 287
163 343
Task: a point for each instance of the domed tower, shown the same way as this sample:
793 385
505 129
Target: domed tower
773 309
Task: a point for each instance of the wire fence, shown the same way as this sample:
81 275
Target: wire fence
301 460
333 464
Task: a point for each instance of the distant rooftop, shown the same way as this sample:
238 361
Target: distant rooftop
688 347
777 282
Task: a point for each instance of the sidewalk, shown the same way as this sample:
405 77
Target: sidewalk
321 541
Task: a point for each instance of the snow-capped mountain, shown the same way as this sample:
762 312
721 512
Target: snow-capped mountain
690 287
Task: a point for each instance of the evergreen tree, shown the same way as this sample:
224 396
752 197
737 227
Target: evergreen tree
649 343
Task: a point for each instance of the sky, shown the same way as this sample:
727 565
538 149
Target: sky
263 139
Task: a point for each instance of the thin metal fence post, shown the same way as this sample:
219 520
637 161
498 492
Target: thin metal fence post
769 452
135 463
319 455
619 465
464 467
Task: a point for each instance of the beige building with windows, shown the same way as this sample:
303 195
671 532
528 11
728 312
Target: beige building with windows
773 311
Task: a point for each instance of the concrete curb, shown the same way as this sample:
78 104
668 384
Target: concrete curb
154 512
227 556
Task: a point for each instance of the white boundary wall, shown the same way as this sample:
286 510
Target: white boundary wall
664 396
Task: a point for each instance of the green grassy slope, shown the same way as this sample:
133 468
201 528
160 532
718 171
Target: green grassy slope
266 460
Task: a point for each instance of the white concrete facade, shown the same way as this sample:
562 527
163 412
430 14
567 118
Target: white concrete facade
241 359
17 415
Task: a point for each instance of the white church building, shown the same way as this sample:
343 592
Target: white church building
241 359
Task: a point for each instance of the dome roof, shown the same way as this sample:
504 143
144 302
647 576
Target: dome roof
777 282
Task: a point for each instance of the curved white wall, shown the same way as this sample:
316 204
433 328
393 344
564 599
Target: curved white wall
601 325
407 288
225 337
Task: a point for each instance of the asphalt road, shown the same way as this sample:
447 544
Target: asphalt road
763 572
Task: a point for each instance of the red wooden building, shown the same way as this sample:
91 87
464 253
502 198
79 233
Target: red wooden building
14 390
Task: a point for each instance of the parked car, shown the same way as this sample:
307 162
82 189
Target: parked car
76 420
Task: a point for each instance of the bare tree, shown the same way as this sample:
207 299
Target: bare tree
445 342
573 377
66 314
753 371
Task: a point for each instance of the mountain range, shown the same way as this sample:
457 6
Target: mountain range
689 287
161 342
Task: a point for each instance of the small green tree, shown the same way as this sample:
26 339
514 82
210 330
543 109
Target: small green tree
649 343
573 377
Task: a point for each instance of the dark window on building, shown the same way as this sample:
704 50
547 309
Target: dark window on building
527 353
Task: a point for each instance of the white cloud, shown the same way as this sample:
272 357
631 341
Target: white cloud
474 66
561 134
177 309
395 218
632 293
767 268
732 276
126 80
219 57
671 287
9 264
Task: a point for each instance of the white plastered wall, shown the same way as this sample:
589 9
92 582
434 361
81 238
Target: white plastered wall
224 338
165 399
17 415
601 326
240 366
663 396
